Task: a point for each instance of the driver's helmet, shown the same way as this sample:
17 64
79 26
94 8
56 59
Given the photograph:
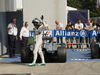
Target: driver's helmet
36 22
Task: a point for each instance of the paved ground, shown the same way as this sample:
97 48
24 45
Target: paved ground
68 68
79 55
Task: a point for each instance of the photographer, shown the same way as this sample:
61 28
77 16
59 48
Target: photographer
69 39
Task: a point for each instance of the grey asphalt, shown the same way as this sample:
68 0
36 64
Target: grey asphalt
68 68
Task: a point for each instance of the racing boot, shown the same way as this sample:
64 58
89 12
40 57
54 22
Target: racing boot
42 64
32 64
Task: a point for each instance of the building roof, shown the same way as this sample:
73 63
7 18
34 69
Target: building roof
70 8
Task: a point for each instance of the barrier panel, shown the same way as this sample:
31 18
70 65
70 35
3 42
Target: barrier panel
79 37
66 33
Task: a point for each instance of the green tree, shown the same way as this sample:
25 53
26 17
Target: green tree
85 5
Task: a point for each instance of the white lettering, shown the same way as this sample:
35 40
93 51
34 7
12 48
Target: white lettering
72 33
57 33
94 33
32 34
63 33
29 34
68 33
76 33
60 33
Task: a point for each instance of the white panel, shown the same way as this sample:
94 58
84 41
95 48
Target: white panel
2 5
51 9
70 8
11 5
4 49
0 49
19 4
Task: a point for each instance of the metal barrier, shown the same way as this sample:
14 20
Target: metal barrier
83 43
83 34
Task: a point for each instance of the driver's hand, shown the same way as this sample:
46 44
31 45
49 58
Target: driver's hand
33 28
10 27
16 38
21 39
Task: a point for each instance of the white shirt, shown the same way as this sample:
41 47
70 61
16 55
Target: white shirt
13 30
87 26
94 26
59 25
79 26
99 30
24 32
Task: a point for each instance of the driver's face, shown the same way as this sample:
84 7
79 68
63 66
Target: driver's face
79 21
69 23
35 23
88 21
14 21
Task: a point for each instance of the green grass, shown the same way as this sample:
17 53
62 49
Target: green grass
30 41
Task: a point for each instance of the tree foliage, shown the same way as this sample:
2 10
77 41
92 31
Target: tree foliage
85 5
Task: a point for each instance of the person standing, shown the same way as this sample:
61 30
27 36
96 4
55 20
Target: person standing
12 37
59 26
79 26
39 27
24 34
69 39
88 26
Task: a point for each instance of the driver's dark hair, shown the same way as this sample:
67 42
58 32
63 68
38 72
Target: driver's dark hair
26 23
12 19
78 19
69 21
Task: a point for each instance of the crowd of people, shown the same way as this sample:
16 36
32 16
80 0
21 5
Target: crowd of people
90 25
39 27
24 34
12 36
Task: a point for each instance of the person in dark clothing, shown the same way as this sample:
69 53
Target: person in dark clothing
12 37
69 39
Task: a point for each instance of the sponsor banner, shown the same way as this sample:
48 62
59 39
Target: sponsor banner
93 33
66 33
48 33
70 33
31 34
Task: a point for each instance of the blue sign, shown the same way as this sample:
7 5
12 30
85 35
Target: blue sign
48 33
31 34
82 33
93 33
59 33
66 33
70 33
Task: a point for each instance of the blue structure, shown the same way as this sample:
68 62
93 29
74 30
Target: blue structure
66 33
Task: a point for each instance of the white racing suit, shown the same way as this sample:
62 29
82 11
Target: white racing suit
38 46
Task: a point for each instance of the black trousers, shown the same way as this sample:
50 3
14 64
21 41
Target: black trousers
61 38
24 41
12 45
